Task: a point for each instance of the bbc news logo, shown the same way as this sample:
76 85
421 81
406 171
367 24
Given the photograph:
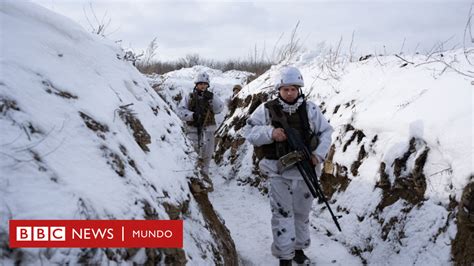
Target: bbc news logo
96 233
40 233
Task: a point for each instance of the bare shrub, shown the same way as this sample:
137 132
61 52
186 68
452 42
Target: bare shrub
257 61
97 26
287 52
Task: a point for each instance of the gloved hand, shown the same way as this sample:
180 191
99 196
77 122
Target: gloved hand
208 95
195 116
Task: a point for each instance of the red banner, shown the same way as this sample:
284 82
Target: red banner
96 233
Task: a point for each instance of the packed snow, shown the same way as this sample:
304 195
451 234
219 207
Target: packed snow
84 136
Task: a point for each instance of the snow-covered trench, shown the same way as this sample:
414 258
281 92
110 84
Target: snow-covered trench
401 158
244 210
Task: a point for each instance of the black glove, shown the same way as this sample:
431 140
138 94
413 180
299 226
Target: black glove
208 95
195 116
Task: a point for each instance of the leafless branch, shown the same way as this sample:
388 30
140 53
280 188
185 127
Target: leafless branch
13 141
350 47
287 51
447 170
275 47
416 48
404 59
28 147
378 60
437 48
448 65
468 29
150 52
98 27
403 45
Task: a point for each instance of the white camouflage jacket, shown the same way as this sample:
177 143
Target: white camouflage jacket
186 115
259 132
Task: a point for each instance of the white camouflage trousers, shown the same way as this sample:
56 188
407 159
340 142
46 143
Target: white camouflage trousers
207 147
290 202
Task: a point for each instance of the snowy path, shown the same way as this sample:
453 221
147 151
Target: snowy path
247 215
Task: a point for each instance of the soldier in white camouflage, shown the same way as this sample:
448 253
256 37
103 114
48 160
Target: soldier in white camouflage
290 198
198 109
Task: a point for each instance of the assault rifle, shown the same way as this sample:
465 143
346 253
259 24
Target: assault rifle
301 157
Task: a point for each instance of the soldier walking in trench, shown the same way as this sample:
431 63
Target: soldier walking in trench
198 109
290 198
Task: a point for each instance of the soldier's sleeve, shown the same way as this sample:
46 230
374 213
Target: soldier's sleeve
259 130
324 129
183 112
217 104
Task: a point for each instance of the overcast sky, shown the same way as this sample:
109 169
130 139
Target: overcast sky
231 29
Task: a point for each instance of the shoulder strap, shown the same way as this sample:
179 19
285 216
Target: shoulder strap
303 114
192 101
276 113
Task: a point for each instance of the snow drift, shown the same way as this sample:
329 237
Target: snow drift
84 136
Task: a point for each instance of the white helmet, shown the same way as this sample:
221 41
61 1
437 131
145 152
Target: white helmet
289 76
201 77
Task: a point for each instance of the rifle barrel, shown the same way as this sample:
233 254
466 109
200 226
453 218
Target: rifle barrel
307 171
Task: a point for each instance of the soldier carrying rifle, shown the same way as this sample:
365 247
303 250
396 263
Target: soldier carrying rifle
198 109
292 137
